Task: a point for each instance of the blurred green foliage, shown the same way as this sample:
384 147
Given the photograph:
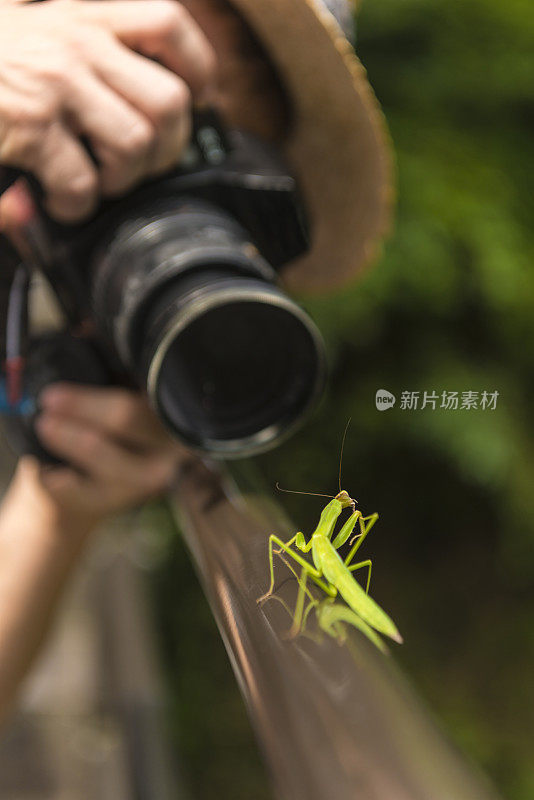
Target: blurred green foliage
449 307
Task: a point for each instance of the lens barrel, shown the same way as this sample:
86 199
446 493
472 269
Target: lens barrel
230 363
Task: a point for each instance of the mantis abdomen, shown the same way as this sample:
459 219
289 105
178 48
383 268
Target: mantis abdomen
327 560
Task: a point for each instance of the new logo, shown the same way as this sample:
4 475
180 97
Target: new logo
384 399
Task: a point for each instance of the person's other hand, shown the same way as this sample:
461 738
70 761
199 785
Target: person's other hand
84 68
248 91
120 453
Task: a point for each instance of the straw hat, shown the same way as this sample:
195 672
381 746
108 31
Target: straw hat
338 146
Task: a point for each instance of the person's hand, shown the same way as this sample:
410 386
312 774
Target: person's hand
83 68
119 452
248 92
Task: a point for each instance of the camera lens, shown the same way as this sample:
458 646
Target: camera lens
230 363
235 367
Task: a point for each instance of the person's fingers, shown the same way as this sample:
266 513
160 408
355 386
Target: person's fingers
121 137
77 444
116 412
66 173
87 449
122 476
161 95
71 74
96 499
161 29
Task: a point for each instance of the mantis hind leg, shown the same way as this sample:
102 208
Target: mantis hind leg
284 546
327 588
311 604
298 616
368 563
288 544
301 615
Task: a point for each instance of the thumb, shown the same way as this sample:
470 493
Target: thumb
17 209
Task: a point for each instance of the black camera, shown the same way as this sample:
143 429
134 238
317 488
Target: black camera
178 283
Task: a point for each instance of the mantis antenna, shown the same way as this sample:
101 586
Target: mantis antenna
316 494
312 494
342 448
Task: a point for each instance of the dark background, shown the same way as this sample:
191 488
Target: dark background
448 307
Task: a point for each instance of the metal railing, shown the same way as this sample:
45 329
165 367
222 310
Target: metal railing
334 722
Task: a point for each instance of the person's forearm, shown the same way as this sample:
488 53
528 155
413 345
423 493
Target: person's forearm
38 551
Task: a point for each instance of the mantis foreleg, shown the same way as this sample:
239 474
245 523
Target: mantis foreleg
364 530
346 530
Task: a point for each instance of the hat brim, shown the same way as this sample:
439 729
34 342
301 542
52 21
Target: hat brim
338 146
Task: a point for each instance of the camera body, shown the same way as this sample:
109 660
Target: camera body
178 284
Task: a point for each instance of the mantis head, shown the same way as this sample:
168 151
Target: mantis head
346 500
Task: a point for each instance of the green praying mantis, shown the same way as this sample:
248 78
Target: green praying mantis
333 575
